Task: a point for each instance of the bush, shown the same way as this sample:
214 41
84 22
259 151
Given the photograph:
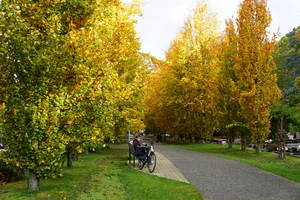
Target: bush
272 147
9 173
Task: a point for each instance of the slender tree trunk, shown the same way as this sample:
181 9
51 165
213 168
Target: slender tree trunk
230 144
86 152
243 142
191 138
69 157
230 141
258 148
33 182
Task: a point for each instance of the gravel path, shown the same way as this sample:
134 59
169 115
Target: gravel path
218 178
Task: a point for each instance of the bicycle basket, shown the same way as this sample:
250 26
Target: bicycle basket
140 151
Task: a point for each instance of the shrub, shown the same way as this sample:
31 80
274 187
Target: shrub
272 147
9 173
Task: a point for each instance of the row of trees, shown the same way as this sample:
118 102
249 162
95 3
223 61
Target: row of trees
217 82
71 75
287 59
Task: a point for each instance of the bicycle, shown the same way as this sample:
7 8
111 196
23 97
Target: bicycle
149 158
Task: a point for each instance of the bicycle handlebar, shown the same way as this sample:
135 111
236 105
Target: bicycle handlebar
151 141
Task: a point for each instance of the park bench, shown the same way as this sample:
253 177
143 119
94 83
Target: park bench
131 153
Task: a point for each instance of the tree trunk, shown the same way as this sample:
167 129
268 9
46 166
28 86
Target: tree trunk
243 142
69 157
85 152
230 142
33 182
191 138
258 149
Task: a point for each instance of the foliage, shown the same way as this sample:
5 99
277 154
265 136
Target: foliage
30 74
205 85
291 121
9 173
255 70
112 86
184 86
71 76
217 82
230 122
287 62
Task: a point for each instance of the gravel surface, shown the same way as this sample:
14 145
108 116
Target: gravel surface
219 178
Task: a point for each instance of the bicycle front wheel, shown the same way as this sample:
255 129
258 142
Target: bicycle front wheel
141 164
152 162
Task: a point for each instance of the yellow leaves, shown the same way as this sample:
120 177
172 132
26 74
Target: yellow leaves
91 80
15 111
184 87
297 80
253 67
79 149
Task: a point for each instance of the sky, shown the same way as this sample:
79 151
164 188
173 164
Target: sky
162 19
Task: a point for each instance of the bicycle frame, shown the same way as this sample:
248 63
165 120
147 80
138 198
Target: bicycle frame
148 160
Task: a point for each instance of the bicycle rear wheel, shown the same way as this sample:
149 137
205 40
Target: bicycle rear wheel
151 162
141 164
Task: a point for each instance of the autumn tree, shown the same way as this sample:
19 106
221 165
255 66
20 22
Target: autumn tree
255 69
30 66
69 70
230 123
155 120
188 86
108 82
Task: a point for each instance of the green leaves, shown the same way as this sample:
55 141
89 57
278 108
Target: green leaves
71 76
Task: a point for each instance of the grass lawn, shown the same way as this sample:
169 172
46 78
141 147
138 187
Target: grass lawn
288 168
103 175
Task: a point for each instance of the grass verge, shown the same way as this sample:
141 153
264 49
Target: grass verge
103 175
288 168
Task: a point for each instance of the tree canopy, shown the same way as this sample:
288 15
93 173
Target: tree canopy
71 76
185 84
212 81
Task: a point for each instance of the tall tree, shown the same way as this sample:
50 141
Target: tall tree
186 96
229 120
32 40
287 61
255 68
109 73
66 68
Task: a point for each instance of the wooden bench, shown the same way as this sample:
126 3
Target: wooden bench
131 153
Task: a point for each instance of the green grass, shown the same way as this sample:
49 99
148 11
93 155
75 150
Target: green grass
288 168
103 175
